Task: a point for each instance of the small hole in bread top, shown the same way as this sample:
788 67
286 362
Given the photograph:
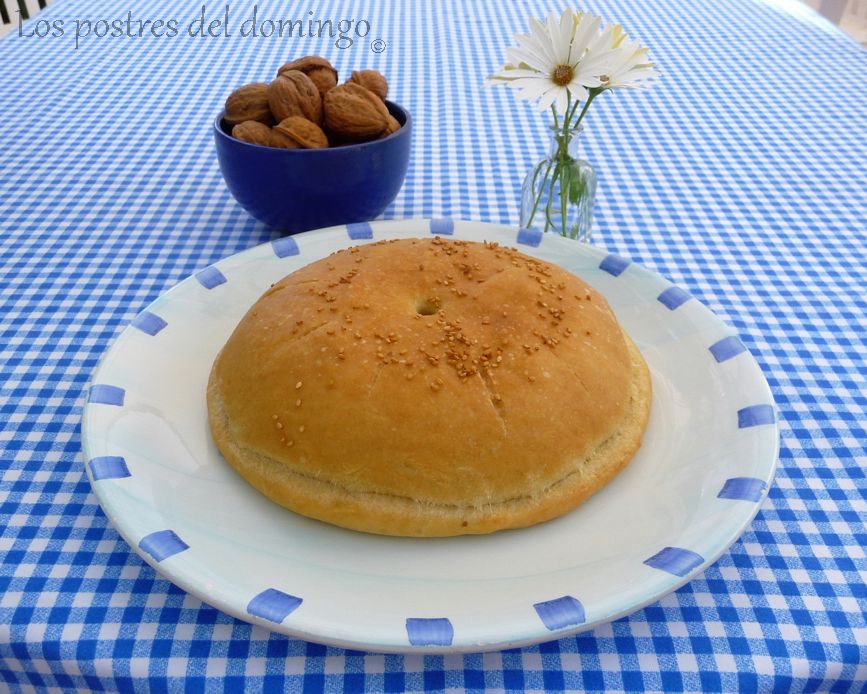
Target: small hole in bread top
426 307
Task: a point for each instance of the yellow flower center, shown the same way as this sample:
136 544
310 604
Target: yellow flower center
562 75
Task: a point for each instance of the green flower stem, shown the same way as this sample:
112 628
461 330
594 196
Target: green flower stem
592 95
549 223
563 157
560 162
539 194
553 182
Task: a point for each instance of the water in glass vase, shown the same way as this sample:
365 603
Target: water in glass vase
558 192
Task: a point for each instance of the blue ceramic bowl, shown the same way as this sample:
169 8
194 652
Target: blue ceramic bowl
298 189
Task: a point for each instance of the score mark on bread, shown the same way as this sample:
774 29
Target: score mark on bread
429 387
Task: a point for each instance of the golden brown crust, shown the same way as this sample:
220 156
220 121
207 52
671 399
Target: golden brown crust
429 388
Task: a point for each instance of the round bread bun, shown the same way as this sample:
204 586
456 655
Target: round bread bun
429 387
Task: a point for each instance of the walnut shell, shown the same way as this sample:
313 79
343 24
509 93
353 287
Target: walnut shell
254 132
294 94
354 113
279 139
372 80
301 131
249 102
392 127
318 69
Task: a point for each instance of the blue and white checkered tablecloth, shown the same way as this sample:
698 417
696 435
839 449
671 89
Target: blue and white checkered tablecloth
741 176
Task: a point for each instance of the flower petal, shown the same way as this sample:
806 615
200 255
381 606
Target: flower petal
518 73
547 99
530 88
586 29
567 28
529 56
560 49
562 100
578 92
540 33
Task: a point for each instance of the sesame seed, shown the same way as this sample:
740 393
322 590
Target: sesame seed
298 385
301 429
298 402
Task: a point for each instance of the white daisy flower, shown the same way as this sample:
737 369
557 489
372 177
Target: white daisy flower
560 60
547 65
621 62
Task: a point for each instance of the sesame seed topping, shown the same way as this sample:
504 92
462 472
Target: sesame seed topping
298 385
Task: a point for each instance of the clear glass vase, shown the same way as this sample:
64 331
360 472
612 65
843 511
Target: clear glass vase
558 192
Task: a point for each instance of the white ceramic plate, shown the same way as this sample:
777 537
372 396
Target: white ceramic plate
707 461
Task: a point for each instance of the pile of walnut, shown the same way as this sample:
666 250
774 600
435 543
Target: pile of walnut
304 107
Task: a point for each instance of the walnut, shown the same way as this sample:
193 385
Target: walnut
372 80
294 94
302 132
392 127
249 102
253 132
318 69
279 139
354 113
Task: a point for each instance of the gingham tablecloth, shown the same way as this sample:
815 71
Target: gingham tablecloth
741 176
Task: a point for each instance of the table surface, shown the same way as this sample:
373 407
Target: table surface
740 176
